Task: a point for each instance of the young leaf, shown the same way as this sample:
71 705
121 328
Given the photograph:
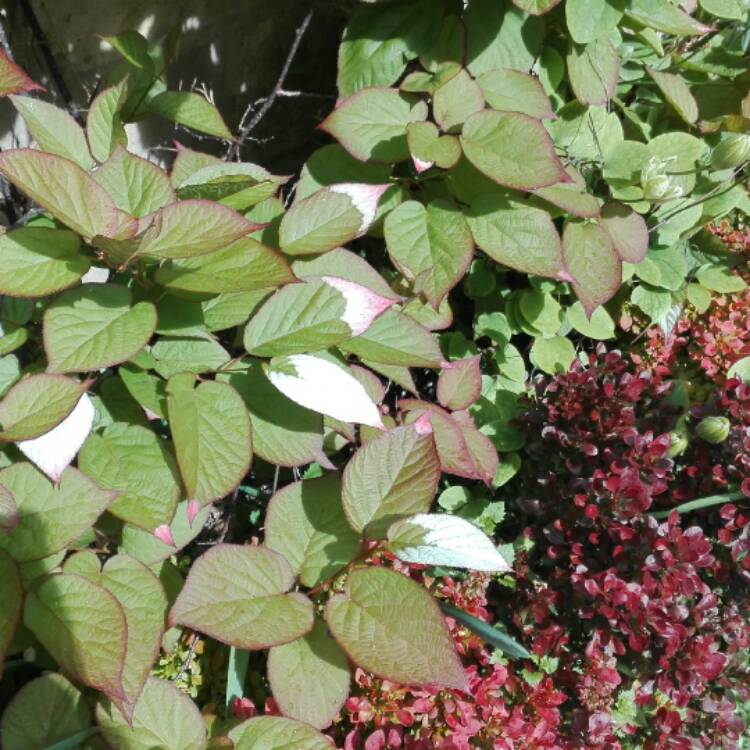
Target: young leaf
136 463
164 717
37 261
391 477
49 517
371 124
460 383
191 110
69 193
83 627
237 595
310 677
54 130
284 433
431 246
512 149
305 523
277 733
136 186
104 127
212 436
53 451
594 70
518 236
11 594
36 404
391 626
396 339
144 604
95 326
593 263
442 539
14 80
312 316
513 91
324 387
428 147
329 218
627 230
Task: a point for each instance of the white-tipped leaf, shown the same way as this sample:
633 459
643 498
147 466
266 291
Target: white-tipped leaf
365 199
324 387
54 451
442 539
362 304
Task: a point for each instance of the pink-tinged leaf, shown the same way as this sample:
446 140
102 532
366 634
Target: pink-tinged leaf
8 511
13 79
69 193
512 149
11 595
423 425
83 627
193 508
593 262
53 451
362 305
391 477
627 230
460 383
391 626
164 532
481 449
594 70
513 91
188 162
365 199
571 196
238 595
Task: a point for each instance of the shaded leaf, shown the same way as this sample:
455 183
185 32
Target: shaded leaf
460 383
11 594
627 230
677 93
593 70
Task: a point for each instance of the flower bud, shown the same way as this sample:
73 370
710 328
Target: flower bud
731 152
656 183
679 444
713 429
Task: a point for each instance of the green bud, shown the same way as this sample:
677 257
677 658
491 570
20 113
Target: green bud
679 444
713 429
731 152
657 184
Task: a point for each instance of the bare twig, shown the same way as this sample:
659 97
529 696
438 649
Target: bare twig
245 130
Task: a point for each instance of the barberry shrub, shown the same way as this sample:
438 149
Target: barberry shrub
509 175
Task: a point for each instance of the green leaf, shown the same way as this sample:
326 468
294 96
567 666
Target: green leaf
396 339
11 594
43 712
136 186
600 326
540 311
144 604
237 594
442 539
379 41
191 110
36 261
138 464
553 355
231 309
312 316
54 130
590 19
513 91
310 677
733 10
390 477
656 303
61 187
594 70
134 48
49 517
662 15
277 733
148 390
512 149
212 437
518 236
428 147
306 524
740 369
10 372
104 127
8 511
95 326
489 633
720 279
391 626
627 230
571 196
592 262
536 7
371 124
456 100
431 246
460 383
164 718
83 627
36 404
236 675
499 35
284 433
181 354
677 93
